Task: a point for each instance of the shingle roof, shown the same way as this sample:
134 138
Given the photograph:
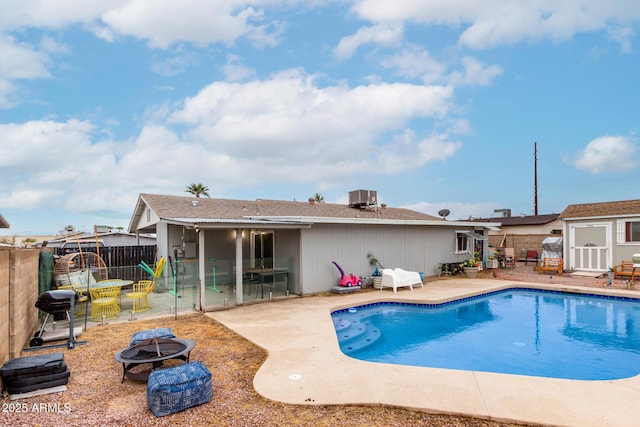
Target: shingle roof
523 220
167 207
603 209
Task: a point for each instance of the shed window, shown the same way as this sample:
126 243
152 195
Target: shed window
632 231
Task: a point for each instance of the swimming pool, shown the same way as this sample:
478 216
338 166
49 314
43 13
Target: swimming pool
516 331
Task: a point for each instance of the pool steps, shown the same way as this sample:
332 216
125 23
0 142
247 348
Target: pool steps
354 335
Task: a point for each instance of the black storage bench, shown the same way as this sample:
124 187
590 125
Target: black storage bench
25 374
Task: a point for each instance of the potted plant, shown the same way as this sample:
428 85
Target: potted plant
470 267
444 269
492 262
377 276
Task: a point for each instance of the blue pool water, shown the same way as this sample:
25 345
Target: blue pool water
518 331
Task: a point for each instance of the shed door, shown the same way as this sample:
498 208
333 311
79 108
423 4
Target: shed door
590 246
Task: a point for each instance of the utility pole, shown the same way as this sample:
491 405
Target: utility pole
535 178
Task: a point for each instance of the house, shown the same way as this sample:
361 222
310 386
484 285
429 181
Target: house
4 223
523 232
221 240
598 236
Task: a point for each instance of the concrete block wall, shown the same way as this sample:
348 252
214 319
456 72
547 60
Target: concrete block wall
23 295
18 294
520 241
4 306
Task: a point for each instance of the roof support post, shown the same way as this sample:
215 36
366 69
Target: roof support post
201 266
239 272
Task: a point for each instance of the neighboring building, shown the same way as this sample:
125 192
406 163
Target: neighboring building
598 236
4 223
299 238
86 241
525 232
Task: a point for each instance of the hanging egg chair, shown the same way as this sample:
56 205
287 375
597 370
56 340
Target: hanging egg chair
71 269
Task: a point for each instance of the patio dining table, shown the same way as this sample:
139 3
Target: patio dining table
103 284
261 273
102 306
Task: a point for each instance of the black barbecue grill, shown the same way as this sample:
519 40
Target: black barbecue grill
53 302
58 301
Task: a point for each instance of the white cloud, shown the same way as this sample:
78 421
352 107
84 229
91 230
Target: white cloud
623 36
476 73
50 45
54 14
485 23
288 128
40 159
235 71
54 165
415 62
461 127
325 134
607 154
21 61
385 35
164 23
35 145
288 114
406 152
174 65
7 93
490 23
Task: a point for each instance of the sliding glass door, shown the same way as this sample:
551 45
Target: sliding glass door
262 249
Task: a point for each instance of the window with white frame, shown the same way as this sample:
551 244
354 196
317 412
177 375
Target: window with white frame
628 232
462 243
632 231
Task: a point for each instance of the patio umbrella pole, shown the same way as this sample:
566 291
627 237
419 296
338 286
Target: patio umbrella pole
86 305
174 271
175 292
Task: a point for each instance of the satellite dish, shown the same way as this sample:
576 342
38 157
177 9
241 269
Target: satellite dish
444 213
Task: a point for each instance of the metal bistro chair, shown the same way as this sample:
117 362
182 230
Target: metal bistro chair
140 295
104 301
250 279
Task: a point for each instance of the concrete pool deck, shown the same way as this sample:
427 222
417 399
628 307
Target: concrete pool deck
305 365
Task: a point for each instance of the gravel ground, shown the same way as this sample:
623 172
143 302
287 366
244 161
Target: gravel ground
96 396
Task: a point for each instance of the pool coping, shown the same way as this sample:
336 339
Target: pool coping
306 367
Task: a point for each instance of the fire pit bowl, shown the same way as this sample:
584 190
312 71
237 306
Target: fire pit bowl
152 351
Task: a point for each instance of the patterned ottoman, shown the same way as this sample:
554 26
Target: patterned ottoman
178 388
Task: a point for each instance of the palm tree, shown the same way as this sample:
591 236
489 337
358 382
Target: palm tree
318 198
197 189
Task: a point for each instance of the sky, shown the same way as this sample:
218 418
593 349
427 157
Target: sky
434 104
